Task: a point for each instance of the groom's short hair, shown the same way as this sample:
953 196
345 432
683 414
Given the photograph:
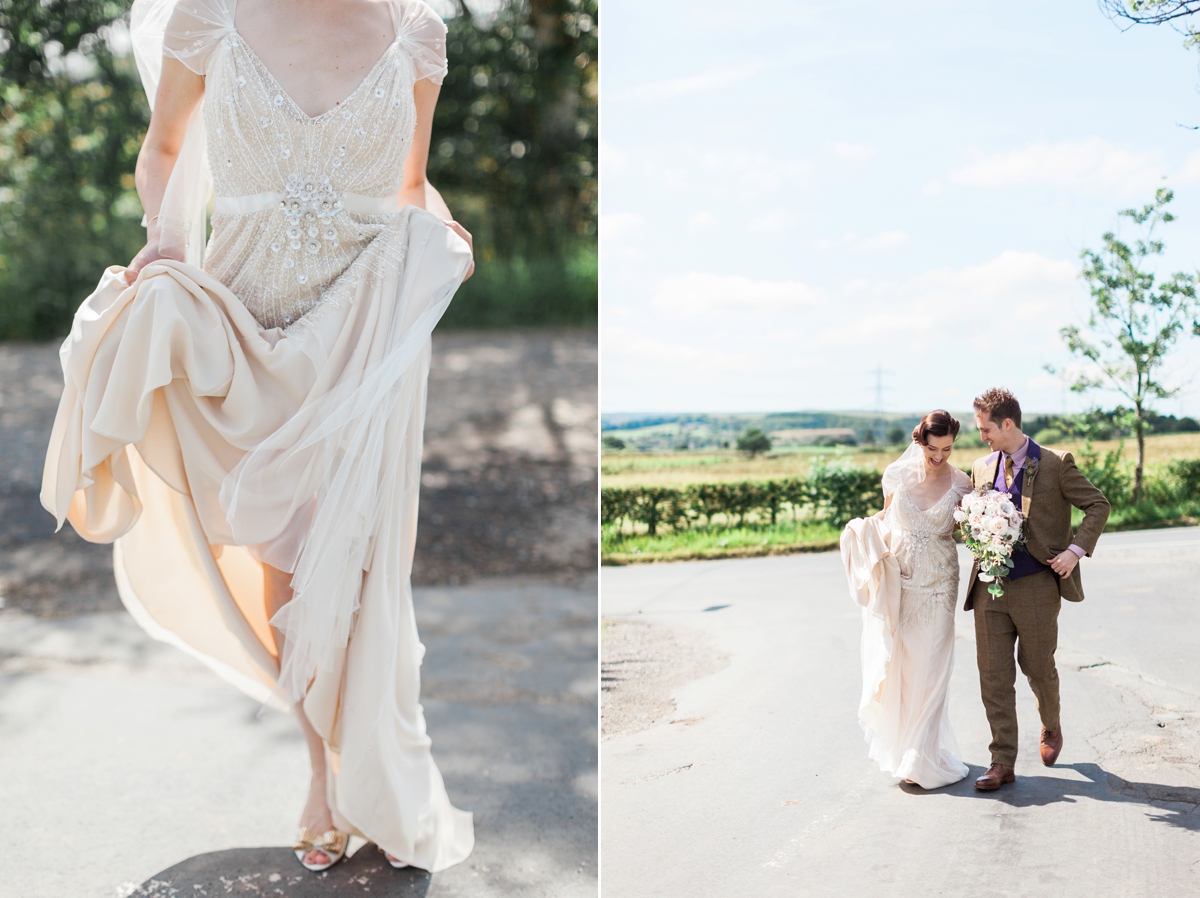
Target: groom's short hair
998 404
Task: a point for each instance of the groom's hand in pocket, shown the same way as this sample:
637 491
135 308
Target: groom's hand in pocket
1063 563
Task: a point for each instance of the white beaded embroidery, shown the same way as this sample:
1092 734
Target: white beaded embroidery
286 261
927 555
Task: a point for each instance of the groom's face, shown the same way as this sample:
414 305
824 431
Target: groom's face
995 435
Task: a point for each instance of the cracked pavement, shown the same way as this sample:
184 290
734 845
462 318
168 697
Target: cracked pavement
755 778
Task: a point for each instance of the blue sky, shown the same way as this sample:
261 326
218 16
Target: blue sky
794 194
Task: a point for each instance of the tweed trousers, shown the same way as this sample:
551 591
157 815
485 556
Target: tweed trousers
1025 618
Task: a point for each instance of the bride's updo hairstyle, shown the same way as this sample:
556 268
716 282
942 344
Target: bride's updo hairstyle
938 423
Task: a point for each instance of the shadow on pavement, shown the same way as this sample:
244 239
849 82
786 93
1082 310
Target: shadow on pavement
1179 804
275 871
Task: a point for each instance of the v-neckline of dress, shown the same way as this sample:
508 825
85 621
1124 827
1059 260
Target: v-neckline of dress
340 104
940 499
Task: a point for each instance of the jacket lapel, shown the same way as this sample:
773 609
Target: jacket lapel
991 466
1032 459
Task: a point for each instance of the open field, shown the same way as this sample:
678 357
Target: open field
632 468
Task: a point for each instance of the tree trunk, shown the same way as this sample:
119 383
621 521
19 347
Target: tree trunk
1137 474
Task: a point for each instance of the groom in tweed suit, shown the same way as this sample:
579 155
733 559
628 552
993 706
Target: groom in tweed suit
1044 484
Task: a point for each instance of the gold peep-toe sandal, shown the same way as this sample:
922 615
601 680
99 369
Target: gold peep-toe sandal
333 843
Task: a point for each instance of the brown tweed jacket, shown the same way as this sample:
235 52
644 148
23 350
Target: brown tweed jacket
1052 484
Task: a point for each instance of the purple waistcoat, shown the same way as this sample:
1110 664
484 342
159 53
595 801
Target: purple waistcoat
1024 564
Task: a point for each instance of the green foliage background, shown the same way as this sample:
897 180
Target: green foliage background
514 154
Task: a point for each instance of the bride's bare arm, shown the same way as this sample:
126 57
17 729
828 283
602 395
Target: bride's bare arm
416 189
179 93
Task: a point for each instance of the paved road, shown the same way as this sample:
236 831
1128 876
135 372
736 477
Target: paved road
758 782
123 757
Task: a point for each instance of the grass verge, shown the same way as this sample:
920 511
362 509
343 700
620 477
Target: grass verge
790 538
747 541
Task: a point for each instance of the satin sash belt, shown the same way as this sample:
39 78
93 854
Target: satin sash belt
265 202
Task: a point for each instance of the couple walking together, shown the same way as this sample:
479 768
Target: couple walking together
903 569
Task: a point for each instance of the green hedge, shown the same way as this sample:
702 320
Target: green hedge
831 494
835 495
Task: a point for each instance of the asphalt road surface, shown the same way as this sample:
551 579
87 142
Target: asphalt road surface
755 780
132 771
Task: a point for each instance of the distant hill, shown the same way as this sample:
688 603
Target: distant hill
670 431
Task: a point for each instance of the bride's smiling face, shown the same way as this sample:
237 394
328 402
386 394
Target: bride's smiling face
937 452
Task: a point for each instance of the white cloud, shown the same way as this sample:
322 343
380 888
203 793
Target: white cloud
610 156
1030 294
628 344
853 242
756 171
701 220
709 294
1088 164
779 220
851 152
710 79
616 225
1189 172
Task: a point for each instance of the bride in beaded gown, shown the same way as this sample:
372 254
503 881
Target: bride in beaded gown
243 420
905 715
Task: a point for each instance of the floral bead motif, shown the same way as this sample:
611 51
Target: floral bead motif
310 203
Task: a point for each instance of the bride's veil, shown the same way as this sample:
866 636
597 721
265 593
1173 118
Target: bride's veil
907 471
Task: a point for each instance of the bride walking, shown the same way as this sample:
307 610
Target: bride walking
903 568
244 421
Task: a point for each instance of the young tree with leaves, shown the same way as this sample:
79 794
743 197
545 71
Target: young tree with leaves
1135 320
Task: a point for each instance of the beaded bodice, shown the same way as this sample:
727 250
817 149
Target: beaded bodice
927 555
299 198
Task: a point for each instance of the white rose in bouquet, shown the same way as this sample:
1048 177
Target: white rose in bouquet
990 525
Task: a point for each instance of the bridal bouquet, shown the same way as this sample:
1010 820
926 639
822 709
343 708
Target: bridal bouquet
991 528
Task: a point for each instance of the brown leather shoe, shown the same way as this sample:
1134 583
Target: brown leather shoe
1052 741
997 775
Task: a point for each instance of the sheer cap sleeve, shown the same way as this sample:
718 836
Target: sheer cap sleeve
423 35
961 484
194 30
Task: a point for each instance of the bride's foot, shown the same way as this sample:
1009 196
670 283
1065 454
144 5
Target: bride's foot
319 845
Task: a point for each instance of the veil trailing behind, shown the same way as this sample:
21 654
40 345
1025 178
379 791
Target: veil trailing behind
204 443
